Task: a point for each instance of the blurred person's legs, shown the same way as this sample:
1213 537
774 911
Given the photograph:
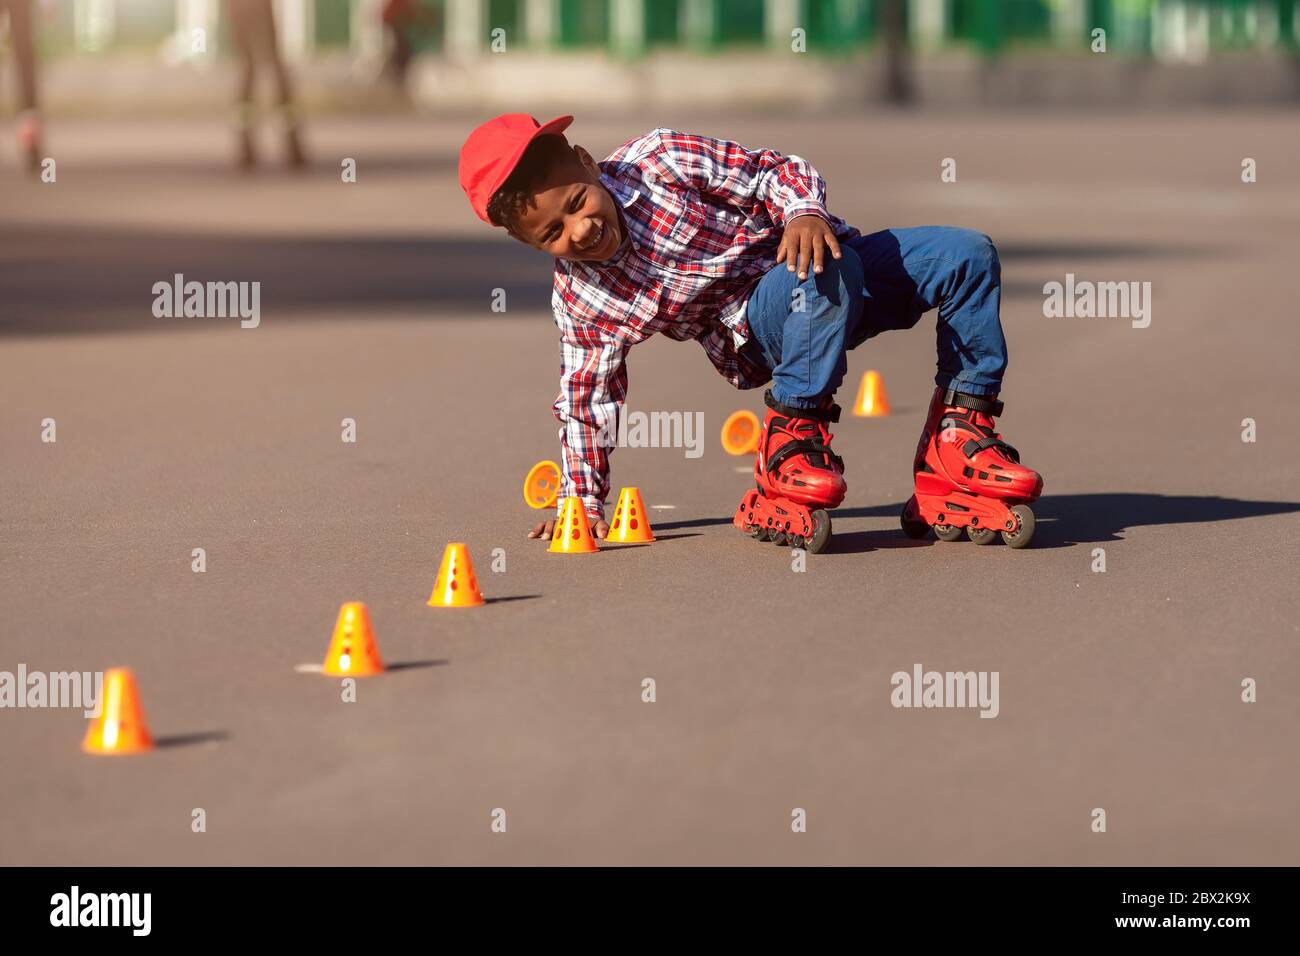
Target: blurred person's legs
243 29
246 107
283 90
399 20
399 56
253 26
29 118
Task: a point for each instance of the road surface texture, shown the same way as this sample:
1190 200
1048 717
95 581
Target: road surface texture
1119 690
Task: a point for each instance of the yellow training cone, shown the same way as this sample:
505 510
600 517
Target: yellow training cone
119 728
456 585
872 401
353 652
740 433
572 532
630 523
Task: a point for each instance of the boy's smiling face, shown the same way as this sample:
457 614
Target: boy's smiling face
572 215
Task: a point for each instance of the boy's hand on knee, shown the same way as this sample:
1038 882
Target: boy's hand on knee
546 529
806 239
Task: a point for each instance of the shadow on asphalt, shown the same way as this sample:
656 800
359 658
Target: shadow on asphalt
1063 520
188 740
861 542
1084 519
416 665
513 597
65 280
62 281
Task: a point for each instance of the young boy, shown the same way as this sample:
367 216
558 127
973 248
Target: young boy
701 238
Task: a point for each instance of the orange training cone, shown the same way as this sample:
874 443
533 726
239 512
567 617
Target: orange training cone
542 485
572 532
630 521
872 401
456 585
119 728
353 652
740 433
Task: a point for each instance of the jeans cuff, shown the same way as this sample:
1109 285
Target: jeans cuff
975 385
795 401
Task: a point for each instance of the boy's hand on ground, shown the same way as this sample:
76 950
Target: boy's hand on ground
806 238
545 529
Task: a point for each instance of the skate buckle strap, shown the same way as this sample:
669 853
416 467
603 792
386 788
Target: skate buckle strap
799 446
978 403
972 447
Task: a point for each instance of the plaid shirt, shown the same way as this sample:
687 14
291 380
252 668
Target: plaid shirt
704 218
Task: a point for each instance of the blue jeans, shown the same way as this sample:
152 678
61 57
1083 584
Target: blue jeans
886 280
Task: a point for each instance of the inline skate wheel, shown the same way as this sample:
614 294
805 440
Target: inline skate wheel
947 532
821 533
1024 532
911 522
981 535
778 538
759 533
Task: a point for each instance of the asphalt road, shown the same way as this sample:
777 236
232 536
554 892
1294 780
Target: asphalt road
1118 690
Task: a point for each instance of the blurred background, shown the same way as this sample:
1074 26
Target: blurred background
143 55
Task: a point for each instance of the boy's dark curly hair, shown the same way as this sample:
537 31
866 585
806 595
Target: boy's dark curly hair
509 202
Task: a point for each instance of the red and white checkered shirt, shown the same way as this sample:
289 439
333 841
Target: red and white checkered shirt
704 218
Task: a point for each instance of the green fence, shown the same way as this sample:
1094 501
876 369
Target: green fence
333 23
584 23
989 25
839 24
738 22
663 23
832 26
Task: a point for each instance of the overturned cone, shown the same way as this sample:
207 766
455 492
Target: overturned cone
456 584
120 727
740 433
542 485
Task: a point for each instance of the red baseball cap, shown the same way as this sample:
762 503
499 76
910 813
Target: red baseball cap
493 150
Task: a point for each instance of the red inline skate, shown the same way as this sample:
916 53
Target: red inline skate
968 478
797 477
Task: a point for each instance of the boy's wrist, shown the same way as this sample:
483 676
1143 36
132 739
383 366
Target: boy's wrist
805 208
